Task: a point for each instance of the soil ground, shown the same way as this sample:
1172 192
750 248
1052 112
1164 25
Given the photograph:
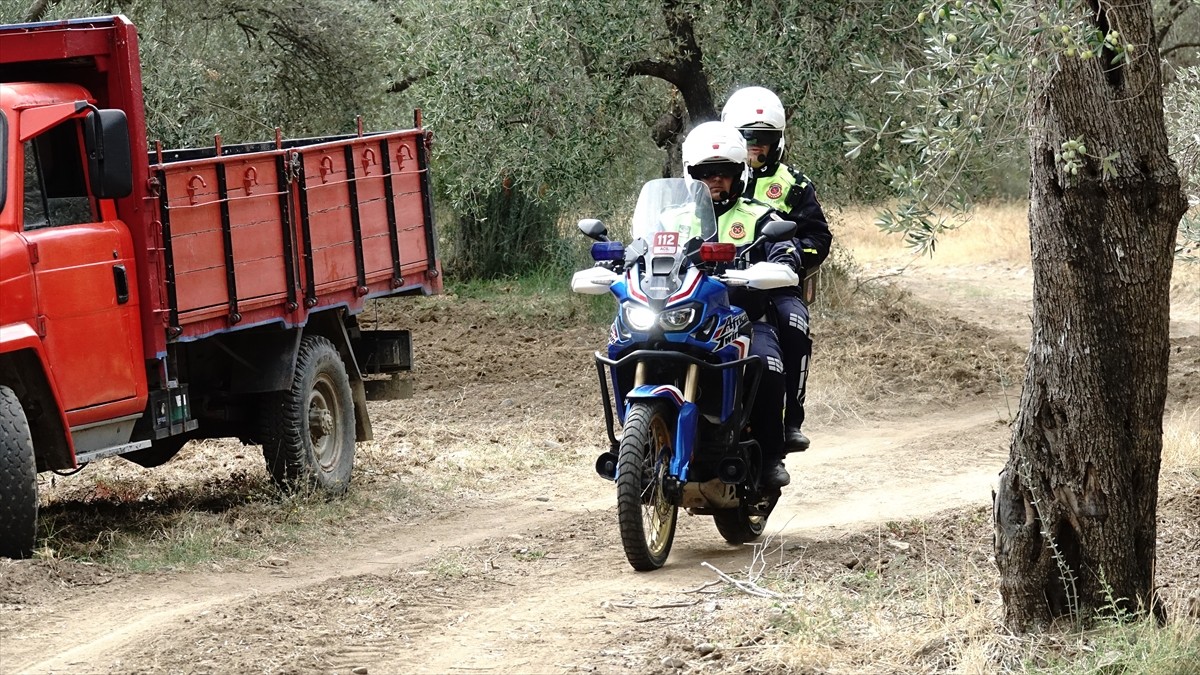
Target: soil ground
505 556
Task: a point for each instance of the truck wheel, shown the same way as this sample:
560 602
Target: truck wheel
18 480
308 430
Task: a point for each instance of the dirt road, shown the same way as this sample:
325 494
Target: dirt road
513 576
545 614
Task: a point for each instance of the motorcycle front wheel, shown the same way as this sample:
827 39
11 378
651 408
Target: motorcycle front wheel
646 515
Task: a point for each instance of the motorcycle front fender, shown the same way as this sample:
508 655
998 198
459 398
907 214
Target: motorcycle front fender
687 420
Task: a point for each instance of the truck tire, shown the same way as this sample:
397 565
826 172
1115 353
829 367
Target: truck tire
18 480
308 430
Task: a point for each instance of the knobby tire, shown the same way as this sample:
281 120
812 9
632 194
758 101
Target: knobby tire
294 433
647 520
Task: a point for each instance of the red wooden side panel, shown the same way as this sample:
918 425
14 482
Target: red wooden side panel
373 209
329 227
257 229
410 213
196 241
347 220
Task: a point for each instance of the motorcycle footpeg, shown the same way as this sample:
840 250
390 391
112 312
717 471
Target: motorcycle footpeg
762 508
764 503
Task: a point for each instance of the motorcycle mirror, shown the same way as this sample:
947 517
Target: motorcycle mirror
779 230
593 229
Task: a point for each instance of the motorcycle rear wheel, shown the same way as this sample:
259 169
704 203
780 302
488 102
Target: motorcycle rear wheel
646 515
738 526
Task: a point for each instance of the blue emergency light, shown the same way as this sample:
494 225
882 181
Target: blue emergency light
608 250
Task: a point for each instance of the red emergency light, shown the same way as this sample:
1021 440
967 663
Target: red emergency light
713 252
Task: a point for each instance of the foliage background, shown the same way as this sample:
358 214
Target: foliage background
543 113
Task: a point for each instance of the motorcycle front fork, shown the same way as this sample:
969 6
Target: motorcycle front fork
690 385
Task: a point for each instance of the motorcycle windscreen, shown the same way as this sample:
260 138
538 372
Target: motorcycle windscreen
680 205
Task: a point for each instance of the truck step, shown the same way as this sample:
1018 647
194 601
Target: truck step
85 457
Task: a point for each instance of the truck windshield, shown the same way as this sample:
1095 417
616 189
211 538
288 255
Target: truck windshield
3 159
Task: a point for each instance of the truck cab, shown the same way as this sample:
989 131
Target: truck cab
152 298
67 260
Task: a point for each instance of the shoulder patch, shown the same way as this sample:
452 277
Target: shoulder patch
775 190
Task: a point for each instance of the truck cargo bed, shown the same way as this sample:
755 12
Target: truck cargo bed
262 233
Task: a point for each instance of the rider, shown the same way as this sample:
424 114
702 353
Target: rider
758 113
714 153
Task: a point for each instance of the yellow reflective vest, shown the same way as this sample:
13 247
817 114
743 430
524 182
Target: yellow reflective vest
773 190
739 225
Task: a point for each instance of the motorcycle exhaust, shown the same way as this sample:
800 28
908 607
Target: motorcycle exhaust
732 470
606 465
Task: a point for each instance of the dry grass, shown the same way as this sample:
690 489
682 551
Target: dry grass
1185 292
922 597
1181 440
890 353
996 232
213 503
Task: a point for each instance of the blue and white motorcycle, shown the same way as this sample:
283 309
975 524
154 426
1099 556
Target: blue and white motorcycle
681 375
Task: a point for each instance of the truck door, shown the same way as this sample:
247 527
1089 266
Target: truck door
84 276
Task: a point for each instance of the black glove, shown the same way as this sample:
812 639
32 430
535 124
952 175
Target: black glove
785 253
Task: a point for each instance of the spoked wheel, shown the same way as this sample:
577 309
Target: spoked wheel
646 515
739 525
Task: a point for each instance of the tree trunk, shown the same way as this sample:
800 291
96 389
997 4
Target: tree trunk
684 69
1075 508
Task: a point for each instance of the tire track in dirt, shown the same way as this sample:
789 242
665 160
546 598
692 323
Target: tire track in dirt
102 622
851 477
922 466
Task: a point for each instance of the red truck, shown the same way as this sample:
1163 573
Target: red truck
148 298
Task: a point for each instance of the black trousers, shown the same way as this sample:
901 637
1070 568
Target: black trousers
791 318
766 418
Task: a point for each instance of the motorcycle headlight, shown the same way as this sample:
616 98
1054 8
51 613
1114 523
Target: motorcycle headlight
677 319
639 318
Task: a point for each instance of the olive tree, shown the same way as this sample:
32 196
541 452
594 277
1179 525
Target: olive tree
241 68
1082 82
566 98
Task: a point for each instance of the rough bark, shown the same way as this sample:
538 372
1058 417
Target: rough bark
38 10
1075 508
684 69
667 134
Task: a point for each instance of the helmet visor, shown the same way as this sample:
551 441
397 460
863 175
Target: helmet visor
708 170
761 137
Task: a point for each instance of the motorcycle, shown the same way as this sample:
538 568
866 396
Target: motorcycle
679 366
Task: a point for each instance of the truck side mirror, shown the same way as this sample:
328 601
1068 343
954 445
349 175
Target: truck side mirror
110 167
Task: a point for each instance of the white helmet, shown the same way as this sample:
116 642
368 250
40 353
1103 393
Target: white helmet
716 146
758 113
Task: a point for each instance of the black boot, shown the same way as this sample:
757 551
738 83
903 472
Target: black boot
794 440
774 473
